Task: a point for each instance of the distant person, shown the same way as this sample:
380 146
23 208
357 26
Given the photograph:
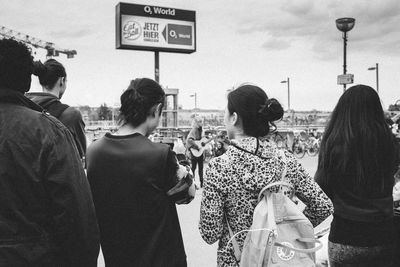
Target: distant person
196 147
179 148
47 217
219 148
53 78
136 183
234 180
357 161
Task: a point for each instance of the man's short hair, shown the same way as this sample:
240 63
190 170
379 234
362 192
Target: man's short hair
16 65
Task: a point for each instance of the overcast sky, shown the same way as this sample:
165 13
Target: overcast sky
261 42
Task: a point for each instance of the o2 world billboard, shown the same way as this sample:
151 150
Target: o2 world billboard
154 28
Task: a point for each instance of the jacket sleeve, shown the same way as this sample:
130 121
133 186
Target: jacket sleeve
72 119
318 205
179 181
70 202
212 203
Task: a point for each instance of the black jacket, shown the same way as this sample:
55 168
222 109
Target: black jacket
69 116
47 216
130 177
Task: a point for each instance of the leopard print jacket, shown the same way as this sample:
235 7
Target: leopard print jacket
231 186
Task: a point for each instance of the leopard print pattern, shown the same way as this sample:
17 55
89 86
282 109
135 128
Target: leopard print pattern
231 186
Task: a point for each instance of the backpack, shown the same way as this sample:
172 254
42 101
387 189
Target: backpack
280 235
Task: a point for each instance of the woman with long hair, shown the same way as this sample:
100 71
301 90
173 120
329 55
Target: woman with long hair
233 180
357 161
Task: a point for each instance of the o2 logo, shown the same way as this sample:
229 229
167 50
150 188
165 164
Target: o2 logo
132 30
285 253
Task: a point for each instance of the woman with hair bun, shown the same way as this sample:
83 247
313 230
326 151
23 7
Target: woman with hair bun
233 181
53 79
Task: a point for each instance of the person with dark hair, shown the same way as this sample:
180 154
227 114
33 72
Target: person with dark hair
234 180
357 160
47 216
219 148
136 183
53 78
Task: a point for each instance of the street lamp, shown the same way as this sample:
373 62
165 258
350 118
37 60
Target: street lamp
377 76
344 25
288 91
195 102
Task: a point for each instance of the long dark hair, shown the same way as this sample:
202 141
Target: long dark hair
138 100
49 72
358 142
256 111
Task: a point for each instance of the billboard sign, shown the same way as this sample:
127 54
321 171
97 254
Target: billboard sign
154 28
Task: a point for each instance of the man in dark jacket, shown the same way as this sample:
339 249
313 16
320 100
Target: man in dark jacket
47 216
53 78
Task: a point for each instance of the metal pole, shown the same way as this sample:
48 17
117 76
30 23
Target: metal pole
288 92
344 57
377 78
157 66
195 103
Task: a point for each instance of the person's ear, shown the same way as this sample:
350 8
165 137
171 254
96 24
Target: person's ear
234 118
61 81
156 109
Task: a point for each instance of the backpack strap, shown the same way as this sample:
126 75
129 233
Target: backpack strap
235 244
303 250
56 108
282 182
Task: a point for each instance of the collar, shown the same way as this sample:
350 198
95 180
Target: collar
15 97
257 146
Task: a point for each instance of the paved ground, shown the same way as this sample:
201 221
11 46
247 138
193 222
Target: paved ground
199 253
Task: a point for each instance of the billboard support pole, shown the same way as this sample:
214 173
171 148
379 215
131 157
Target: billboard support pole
157 66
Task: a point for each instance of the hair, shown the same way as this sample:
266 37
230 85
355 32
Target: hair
357 141
256 111
16 64
49 72
138 101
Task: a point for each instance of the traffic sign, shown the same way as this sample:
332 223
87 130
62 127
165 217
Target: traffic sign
154 28
345 79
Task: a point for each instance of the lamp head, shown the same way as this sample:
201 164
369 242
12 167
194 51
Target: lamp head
345 24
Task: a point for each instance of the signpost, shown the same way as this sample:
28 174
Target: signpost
154 28
345 79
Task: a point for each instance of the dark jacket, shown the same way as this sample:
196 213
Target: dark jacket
69 116
130 177
47 216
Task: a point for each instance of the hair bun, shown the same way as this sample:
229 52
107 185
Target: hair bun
271 110
39 69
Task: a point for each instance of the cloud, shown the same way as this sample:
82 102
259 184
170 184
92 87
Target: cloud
276 44
71 33
313 23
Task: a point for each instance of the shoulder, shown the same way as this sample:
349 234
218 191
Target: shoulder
72 113
219 166
40 124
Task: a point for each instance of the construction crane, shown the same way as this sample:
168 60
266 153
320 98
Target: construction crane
52 50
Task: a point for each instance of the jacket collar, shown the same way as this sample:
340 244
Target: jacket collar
262 148
15 97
